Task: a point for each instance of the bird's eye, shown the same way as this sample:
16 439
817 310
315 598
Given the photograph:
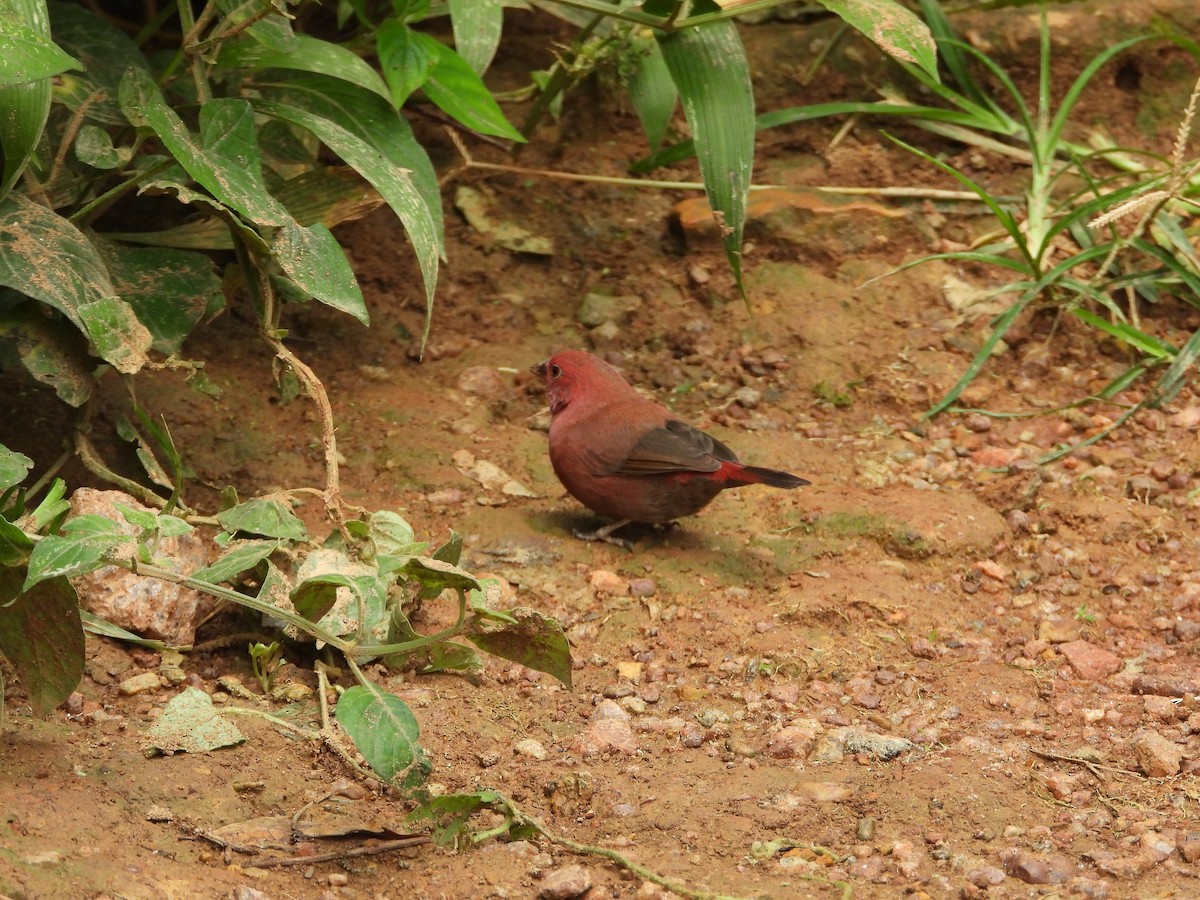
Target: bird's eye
555 371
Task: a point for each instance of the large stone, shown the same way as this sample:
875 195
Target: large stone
138 603
1090 662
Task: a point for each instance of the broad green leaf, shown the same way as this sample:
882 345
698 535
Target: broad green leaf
226 164
315 261
45 257
385 732
709 67
241 556
15 544
145 519
190 723
897 31
436 576
373 121
81 548
169 290
460 93
14 467
28 61
392 183
477 27
310 54
406 62
42 637
93 624
274 31
49 351
451 551
450 815
445 656
29 54
313 597
105 52
94 147
535 641
653 94
270 518
391 532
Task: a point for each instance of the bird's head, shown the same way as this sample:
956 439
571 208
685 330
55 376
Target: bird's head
574 376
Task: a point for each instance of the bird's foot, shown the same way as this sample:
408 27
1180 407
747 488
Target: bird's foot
605 534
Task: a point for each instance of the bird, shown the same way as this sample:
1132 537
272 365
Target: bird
629 458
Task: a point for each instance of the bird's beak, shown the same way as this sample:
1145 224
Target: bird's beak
539 369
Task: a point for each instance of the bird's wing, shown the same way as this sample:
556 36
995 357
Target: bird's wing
675 447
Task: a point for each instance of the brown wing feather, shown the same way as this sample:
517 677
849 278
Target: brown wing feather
675 447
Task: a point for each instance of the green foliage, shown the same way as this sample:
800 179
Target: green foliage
1104 264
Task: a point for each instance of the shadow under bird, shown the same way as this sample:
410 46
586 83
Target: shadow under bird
629 458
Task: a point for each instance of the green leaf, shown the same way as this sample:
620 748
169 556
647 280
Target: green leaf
49 351
45 257
535 641
28 61
385 732
29 54
450 815
653 94
42 637
104 51
313 597
405 61
709 67
15 544
315 261
169 290
393 184
1146 343
310 54
391 533
226 163
451 551
14 467
242 556
455 88
372 120
274 31
190 723
897 31
94 147
93 624
477 27
436 576
270 518
445 656
81 548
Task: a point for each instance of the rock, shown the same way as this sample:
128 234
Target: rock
482 381
1156 756
609 709
530 748
986 876
1188 845
603 581
1090 662
138 603
1164 686
793 742
642 587
908 858
597 309
606 736
138 684
565 882
1061 630
1034 869
883 747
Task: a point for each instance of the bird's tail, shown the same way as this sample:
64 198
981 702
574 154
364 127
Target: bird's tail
772 477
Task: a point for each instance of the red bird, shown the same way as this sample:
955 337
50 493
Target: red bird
629 458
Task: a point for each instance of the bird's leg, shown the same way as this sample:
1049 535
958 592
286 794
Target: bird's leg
605 534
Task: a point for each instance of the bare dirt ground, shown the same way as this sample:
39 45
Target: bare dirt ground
942 670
